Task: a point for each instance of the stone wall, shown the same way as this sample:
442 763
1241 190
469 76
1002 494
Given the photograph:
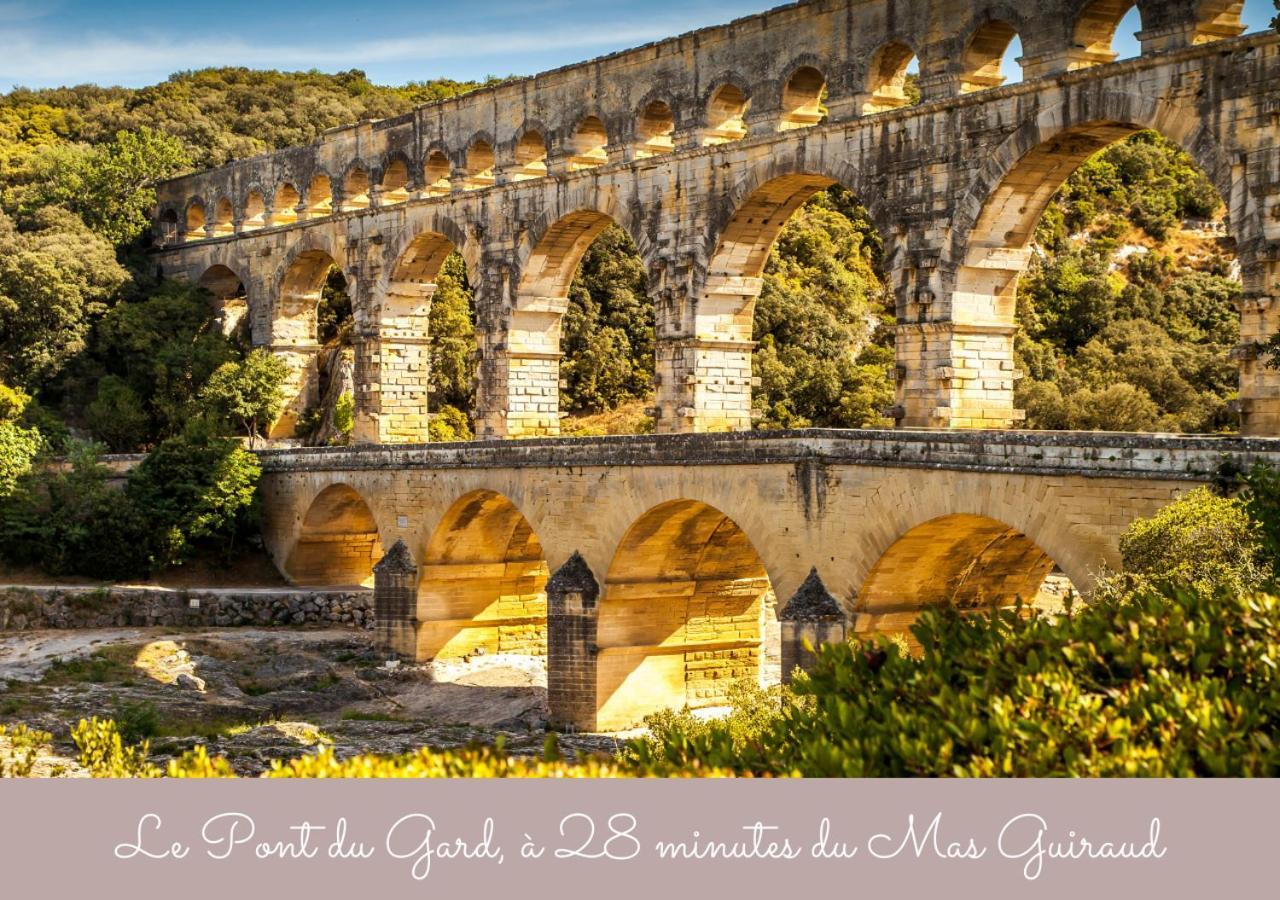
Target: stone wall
33 608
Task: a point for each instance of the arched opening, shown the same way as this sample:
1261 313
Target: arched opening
429 321
223 218
795 297
802 99
590 145
480 163
320 196
284 205
655 129
338 542
967 561
1103 254
230 302
255 211
682 614
355 189
483 582
168 230
436 175
195 221
395 182
889 84
726 116
313 306
1218 19
531 157
984 62
1097 28
583 294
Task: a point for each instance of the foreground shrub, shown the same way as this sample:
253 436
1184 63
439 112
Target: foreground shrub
19 748
1168 681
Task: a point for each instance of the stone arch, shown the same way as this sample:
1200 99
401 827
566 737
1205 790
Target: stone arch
727 106
320 195
803 98
1218 19
284 204
681 615
655 128
230 301
395 184
1095 30
983 53
223 218
255 210
530 155
356 187
293 334
996 220
481 162
404 259
590 144
435 174
483 582
167 225
887 77
195 220
965 560
338 541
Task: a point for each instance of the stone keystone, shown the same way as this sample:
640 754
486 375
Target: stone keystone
575 577
397 561
812 602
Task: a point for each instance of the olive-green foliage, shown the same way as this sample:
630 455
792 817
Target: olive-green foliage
108 185
452 328
153 356
1166 681
1200 538
333 315
822 322
608 328
249 393
1261 495
19 443
448 423
70 520
54 276
1139 344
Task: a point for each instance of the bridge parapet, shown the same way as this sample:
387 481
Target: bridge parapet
1090 454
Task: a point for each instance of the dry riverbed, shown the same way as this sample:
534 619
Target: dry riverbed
255 695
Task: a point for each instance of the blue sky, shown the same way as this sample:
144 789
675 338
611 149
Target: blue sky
55 42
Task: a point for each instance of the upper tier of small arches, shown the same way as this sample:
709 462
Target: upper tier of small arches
391 162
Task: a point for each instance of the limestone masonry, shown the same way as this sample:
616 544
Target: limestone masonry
701 147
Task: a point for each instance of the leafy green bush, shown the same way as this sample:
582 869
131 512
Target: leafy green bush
1200 538
1166 681
19 748
248 392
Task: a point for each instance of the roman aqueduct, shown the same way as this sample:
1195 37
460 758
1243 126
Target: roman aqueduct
677 550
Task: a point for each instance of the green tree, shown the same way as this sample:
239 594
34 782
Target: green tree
54 279
18 444
249 392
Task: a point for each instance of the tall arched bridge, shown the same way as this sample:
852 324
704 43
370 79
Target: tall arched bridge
701 147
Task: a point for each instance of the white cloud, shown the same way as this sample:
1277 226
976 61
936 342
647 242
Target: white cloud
35 58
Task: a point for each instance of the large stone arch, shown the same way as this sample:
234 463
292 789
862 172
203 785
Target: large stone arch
292 333
681 615
993 228
337 541
230 295
483 581
519 392
968 561
705 344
